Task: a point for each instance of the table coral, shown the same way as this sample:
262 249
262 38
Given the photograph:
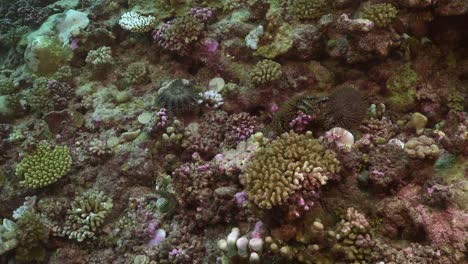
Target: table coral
44 166
277 170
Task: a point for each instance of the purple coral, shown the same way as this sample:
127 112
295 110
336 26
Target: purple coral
202 14
300 122
240 127
61 93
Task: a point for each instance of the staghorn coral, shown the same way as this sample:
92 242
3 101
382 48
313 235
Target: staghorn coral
277 170
307 9
86 215
381 14
265 72
422 147
44 166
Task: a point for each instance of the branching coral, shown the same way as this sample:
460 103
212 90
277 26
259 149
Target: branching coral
44 166
307 9
381 14
87 213
265 71
32 236
136 72
277 170
61 94
179 34
100 56
134 22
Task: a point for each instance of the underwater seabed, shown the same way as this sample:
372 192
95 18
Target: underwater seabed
233 131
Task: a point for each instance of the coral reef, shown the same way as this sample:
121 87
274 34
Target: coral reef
233 131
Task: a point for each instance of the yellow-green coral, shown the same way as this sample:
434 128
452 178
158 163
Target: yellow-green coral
32 237
456 101
86 215
45 166
281 42
307 9
381 14
277 170
266 71
136 72
402 89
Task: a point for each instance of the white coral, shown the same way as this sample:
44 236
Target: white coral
211 99
134 22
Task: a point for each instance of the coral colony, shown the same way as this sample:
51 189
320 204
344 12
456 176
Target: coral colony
234 131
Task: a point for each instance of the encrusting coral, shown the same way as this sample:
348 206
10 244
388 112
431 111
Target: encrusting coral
278 170
44 166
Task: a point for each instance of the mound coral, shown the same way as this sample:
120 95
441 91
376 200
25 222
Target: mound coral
179 34
307 9
401 86
422 147
177 96
278 170
44 166
86 215
346 108
265 71
381 14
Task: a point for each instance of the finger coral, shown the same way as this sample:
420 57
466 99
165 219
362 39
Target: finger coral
86 215
422 147
277 170
134 22
265 71
307 9
44 166
381 14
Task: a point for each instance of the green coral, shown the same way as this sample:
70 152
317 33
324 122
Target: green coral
45 166
266 71
39 97
8 236
136 72
401 86
100 56
44 55
86 215
277 170
32 237
6 85
381 14
456 101
63 74
307 9
282 41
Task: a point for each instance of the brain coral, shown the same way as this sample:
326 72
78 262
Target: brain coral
277 170
45 166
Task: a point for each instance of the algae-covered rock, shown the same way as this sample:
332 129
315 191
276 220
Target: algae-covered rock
281 43
44 55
